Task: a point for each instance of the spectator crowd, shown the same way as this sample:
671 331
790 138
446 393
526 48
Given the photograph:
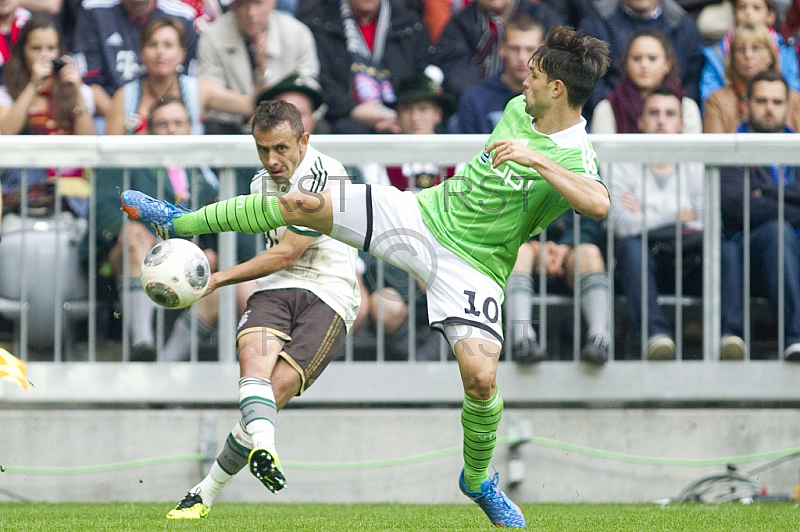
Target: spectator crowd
117 67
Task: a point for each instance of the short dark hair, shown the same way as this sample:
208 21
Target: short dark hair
662 90
578 60
770 5
766 75
522 22
163 102
270 113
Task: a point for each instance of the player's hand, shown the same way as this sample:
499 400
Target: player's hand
510 150
213 284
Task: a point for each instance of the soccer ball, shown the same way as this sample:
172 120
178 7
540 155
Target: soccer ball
175 273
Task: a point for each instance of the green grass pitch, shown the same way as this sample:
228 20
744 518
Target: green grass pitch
730 517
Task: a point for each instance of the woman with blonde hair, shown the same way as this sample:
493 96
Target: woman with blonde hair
162 54
752 51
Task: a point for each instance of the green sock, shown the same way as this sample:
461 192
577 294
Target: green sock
480 420
251 214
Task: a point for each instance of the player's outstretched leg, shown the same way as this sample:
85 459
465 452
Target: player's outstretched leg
190 507
264 465
251 214
500 510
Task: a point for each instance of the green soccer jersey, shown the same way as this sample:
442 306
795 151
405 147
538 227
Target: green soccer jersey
485 214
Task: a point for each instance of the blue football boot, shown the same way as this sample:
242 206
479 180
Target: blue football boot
500 510
159 214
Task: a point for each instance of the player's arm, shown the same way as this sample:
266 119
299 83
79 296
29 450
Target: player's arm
587 196
279 257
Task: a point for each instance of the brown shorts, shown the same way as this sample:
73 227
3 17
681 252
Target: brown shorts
313 332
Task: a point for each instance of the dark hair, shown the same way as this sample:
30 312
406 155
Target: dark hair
662 90
767 75
674 74
163 102
169 22
17 73
770 5
522 22
578 60
270 113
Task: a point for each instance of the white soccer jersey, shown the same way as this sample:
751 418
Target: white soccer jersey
327 268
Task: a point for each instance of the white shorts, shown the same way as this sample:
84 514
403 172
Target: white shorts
382 220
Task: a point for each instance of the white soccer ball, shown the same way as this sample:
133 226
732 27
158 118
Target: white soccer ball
175 273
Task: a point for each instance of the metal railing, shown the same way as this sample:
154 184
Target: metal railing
706 380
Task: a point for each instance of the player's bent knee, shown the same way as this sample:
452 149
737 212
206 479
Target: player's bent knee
480 384
249 351
253 361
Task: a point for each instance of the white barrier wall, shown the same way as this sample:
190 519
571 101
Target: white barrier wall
320 446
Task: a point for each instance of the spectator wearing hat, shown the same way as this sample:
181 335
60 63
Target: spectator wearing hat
421 103
251 44
302 92
421 107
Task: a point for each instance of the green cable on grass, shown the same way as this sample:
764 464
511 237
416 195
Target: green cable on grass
100 468
416 458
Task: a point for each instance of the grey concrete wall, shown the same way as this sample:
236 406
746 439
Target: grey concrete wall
62 438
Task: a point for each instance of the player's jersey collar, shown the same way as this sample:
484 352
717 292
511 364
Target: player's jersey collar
567 138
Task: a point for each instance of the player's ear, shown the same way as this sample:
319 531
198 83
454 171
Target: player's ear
303 141
557 87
